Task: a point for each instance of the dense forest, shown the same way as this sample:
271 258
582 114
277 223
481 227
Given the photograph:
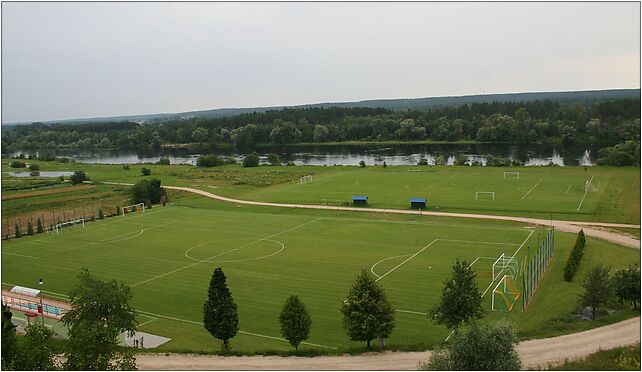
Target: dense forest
613 125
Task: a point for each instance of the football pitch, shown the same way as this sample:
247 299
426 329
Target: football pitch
167 255
570 193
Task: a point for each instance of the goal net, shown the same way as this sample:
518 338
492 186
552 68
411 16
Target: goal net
511 174
305 179
505 264
485 195
75 223
505 295
590 186
139 207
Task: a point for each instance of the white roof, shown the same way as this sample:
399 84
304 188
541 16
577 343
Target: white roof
25 291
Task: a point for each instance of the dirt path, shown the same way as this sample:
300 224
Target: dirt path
533 353
567 226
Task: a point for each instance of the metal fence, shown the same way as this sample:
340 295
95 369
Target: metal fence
537 265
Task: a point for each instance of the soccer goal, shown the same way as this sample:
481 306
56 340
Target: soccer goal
305 179
505 294
506 264
589 186
484 195
75 223
139 207
511 174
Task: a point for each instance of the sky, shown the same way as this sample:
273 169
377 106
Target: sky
77 60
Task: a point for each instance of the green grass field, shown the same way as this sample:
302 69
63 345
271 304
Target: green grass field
167 256
541 192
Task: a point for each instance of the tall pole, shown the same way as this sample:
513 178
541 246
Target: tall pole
42 309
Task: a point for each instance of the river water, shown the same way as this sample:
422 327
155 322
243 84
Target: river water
352 154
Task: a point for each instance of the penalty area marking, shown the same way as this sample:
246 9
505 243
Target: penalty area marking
385 259
407 259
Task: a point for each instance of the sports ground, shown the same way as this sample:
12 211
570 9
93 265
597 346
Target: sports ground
167 255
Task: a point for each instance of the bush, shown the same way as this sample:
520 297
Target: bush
273 159
126 167
423 161
78 177
290 164
362 164
18 164
34 167
145 171
147 191
163 161
574 259
209 161
100 214
251 160
626 283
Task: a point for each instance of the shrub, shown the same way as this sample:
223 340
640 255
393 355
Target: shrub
100 214
147 191
574 259
423 161
273 159
209 161
163 161
34 167
18 164
362 164
145 171
78 177
251 160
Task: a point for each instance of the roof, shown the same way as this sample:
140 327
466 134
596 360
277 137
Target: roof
25 291
418 200
360 198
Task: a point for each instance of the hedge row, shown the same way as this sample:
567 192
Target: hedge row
576 256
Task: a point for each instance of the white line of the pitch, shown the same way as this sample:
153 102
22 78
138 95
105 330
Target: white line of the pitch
444 180
242 332
107 240
207 259
239 260
514 254
52 235
443 240
585 191
567 190
406 260
423 223
531 189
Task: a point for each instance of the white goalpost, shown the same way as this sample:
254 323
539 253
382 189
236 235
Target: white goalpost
505 294
485 195
505 263
139 207
305 179
511 174
588 186
58 227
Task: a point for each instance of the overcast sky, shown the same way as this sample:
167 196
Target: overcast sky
73 60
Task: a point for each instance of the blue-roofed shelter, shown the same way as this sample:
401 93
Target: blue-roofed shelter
360 200
418 203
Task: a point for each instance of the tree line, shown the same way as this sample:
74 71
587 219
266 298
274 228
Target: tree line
605 123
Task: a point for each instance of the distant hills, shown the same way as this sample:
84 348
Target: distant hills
587 97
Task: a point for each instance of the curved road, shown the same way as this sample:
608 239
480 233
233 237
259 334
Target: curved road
533 353
567 226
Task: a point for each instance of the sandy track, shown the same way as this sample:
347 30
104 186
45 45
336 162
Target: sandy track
567 226
533 353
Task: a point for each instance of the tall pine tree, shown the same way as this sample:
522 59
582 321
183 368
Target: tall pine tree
367 313
220 315
460 300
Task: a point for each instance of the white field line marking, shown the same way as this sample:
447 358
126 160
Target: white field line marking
207 259
585 191
406 260
514 254
410 312
149 321
385 259
450 335
475 242
128 238
243 332
480 258
567 190
421 223
20 255
444 180
531 189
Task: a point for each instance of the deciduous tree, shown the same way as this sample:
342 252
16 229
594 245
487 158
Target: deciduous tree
295 321
597 288
627 284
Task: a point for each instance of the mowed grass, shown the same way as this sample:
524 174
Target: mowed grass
167 256
541 192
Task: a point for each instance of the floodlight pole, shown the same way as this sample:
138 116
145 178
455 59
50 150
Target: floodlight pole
42 309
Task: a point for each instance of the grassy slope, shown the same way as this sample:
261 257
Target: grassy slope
319 264
621 359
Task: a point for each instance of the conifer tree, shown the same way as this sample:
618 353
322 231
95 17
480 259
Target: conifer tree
295 321
17 231
220 315
29 228
39 227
